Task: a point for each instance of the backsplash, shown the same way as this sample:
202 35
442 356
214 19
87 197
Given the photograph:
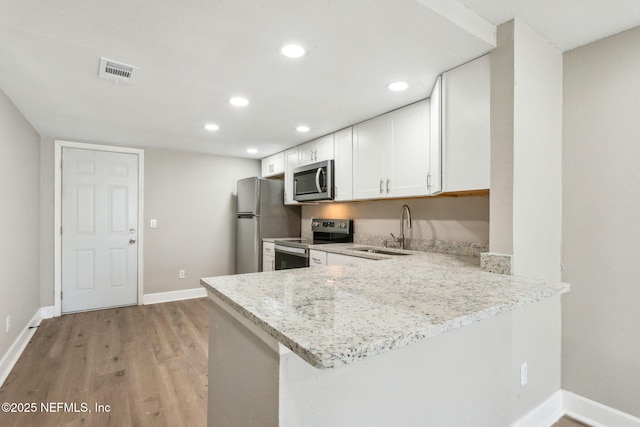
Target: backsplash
458 225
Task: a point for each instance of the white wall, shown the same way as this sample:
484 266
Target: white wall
601 221
537 154
19 216
192 198
526 130
455 219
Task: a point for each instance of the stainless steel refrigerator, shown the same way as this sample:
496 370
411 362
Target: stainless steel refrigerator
261 213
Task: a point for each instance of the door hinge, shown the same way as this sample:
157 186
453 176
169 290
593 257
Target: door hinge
61 295
61 231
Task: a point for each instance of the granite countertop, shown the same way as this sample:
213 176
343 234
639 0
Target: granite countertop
335 315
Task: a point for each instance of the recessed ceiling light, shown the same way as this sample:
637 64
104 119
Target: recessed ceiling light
211 126
238 101
398 86
293 51
252 150
303 128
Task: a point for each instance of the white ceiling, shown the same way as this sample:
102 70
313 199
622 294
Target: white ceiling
193 55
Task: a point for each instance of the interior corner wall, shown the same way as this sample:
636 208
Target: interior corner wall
601 227
20 195
193 198
537 156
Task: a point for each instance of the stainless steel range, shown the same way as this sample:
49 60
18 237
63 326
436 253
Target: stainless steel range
295 253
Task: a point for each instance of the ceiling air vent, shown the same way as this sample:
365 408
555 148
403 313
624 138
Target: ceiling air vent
116 71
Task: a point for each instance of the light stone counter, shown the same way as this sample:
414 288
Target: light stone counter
333 316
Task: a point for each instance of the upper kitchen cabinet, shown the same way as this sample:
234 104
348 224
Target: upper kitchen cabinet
369 152
316 151
391 154
291 162
466 133
273 165
343 167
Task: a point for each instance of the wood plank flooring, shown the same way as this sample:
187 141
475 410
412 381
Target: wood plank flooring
149 363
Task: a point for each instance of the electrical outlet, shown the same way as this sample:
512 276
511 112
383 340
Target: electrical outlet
181 274
523 374
8 322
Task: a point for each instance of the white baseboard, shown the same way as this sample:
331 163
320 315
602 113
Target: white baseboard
13 354
160 297
595 414
545 414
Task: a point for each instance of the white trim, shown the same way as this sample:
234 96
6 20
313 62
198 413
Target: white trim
545 414
13 354
48 312
160 297
57 214
594 413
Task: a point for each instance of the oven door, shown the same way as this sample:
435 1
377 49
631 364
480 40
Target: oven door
313 182
289 257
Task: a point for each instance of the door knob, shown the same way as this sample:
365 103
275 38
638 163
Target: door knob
131 241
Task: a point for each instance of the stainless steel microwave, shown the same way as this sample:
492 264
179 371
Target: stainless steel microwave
313 182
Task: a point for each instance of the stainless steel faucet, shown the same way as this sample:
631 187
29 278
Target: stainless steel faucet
401 239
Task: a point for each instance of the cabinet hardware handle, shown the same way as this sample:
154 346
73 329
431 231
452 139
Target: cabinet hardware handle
381 182
429 181
388 182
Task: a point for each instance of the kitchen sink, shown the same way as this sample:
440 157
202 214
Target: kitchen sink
378 251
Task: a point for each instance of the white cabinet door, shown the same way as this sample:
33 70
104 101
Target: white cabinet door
338 259
343 165
325 148
291 162
369 158
317 258
268 256
466 133
407 151
306 153
434 181
316 151
273 165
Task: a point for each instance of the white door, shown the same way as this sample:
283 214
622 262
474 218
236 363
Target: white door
99 229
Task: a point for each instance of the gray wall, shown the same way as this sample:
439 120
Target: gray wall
19 216
192 198
461 219
601 221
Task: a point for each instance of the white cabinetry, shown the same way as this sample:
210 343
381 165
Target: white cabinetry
268 256
317 258
273 165
316 151
291 162
369 151
466 133
391 154
338 259
343 164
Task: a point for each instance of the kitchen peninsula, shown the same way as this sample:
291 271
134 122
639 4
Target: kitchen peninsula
421 339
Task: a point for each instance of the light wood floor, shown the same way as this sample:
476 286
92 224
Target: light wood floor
149 363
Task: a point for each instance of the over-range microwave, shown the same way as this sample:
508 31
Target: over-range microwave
313 182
